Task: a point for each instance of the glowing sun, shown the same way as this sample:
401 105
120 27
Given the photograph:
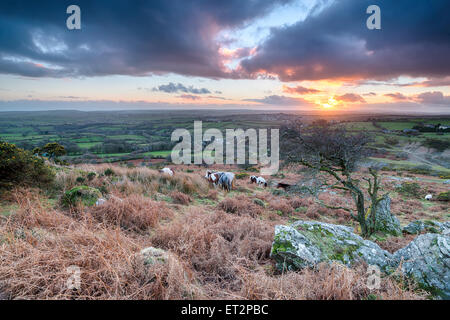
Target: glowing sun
332 102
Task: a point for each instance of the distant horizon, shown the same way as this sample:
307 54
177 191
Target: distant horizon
244 110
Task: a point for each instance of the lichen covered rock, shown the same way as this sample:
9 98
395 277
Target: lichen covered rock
385 221
429 226
427 260
306 243
83 195
152 256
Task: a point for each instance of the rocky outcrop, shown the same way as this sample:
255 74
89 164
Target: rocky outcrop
427 260
385 221
151 256
428 226
306 243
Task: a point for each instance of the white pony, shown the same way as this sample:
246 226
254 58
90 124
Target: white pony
261 182
166 171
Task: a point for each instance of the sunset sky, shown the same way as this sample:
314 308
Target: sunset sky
261 54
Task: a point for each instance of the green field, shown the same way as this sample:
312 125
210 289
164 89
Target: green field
113 136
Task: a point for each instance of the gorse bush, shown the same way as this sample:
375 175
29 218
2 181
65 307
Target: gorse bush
91 175
410 189
444 196
109 172
242 175
439 145
21 167
82 195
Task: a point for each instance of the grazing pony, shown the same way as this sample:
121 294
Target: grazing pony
261 182
167 171
213 177
226 181
253 179
284 186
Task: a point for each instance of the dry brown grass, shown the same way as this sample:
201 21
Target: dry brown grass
281 205
326 282
212 242
38 245
212 195
240 205
393 244
213 254
180 198
134 212
128 181
298 202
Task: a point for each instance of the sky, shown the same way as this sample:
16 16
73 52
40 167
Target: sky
306 55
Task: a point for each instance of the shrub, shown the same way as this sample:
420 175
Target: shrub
180 198
241 176
20 167
109 172
135 212
212 195
421 169
298 202
240 205
80 180
438 144
410 189
444 196
83 195
213 244
281 206
53 150
391 141
259 202
91 175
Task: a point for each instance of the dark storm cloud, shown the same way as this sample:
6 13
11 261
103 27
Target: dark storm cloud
120 37
335 43
178 87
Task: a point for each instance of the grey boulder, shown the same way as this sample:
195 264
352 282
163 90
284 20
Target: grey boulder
306 243
427 260
429 226
385 221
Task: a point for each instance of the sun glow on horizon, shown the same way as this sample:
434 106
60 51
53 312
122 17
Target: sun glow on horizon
332 102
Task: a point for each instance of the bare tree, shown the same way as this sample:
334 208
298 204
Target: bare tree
335 151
